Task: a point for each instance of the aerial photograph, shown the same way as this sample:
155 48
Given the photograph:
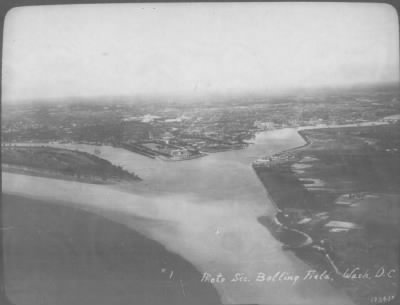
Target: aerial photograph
201 153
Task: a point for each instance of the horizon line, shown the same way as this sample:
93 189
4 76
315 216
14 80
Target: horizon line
182 97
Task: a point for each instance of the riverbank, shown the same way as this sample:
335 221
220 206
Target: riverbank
58 254
65 164
23 170
231 240
176 159
204 210
292 239
308 184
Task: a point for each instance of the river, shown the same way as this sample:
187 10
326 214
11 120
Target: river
203 209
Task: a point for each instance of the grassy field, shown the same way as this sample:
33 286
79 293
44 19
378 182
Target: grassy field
58 255
62 163
344 176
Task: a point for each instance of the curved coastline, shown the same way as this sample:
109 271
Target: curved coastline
276 226
223 211
93 260
305 139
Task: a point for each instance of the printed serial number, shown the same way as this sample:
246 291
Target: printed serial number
381 299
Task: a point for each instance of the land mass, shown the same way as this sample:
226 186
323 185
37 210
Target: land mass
63 255
337 197
337 202
171 130
62 164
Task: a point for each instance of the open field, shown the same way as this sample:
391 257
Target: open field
342 189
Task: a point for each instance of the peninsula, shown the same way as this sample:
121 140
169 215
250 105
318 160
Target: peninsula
62 164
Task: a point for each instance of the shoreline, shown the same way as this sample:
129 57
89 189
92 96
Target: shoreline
317 253
84 266
64 164
232 234
201 154
308 240
308 243
23 170
225 259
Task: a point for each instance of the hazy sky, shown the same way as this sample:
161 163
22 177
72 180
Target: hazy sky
196 48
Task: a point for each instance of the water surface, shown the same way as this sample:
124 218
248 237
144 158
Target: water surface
203 209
